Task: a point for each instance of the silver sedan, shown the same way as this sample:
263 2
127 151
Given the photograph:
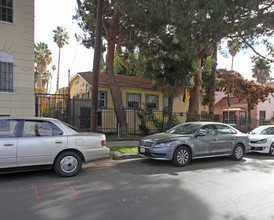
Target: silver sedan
39 142
195 140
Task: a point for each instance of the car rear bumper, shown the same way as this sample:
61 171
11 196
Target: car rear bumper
96 154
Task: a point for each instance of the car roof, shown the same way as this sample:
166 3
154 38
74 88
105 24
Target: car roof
206 122
265 126
27 118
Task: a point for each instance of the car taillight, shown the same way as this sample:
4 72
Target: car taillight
104 143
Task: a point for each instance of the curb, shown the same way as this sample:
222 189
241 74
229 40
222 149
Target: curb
118 156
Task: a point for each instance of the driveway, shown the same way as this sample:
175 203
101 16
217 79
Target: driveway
217 188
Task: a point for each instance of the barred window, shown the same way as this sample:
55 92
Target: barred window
6 72
133 100
6 10
102 99
152 101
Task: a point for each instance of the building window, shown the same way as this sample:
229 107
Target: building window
6 72
133 100
165 104
152 101
102 99
262 114
262 118
6 11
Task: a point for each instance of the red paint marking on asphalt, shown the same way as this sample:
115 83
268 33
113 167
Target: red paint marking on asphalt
36 192
52 188
75 193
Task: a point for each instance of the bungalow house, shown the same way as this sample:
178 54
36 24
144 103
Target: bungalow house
16 58
236 113
137 93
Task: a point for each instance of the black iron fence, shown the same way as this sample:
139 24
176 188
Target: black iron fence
77 112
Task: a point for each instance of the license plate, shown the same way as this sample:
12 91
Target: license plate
142 150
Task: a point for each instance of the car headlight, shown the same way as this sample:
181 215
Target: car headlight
261 141
165 144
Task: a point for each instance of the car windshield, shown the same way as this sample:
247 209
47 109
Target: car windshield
263 130
187 128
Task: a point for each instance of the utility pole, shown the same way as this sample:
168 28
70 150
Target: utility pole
96 66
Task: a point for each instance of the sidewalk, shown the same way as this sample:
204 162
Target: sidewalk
122 143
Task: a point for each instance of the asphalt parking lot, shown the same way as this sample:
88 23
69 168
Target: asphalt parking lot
217 188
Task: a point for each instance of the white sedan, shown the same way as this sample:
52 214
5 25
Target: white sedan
262 139
47 142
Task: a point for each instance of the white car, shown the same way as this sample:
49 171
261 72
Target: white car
262 139
47 142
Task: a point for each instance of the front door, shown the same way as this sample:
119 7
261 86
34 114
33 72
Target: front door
205 145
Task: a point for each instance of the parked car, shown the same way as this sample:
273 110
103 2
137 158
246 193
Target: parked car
195 140
262 139
38 142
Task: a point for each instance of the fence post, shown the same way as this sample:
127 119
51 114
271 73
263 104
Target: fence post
134 123
163 125
36 105
68 111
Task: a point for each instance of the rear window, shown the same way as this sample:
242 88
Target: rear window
8 128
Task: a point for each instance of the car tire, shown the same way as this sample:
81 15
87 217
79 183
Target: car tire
67 164
181 156
238 152
271 150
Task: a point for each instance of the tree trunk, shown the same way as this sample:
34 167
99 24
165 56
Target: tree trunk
212 82
112 82
96 66
170 112
249 115
57 83
195 94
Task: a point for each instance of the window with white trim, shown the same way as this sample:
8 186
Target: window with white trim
6 11
6 72
102 99
133 100
152 101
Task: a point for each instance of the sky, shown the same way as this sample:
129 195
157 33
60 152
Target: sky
76 58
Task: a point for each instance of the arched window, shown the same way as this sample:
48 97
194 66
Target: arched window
6 72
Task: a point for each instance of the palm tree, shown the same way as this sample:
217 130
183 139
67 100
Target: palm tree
53 67
42 58
60 37
234 47
261 69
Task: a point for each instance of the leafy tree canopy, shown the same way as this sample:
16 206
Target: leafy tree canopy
241 88
261 69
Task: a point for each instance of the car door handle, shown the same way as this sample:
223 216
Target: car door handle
58 142
216 139
8 144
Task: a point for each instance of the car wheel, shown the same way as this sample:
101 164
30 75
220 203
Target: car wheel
68 164
181 156
238 152
271 150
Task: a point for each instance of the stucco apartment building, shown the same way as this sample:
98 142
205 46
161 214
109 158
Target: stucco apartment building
16 58
265 110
